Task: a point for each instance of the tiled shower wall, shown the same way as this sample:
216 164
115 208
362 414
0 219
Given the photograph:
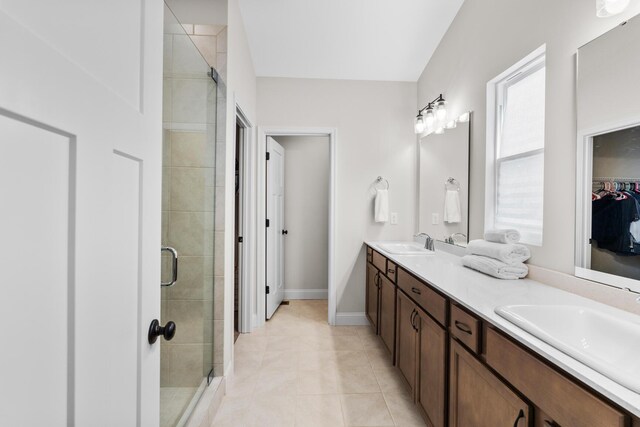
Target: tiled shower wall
189 204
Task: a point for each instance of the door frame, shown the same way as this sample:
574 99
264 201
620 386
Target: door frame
247 178
258 205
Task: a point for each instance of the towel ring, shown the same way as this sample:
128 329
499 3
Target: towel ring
452 181
380 179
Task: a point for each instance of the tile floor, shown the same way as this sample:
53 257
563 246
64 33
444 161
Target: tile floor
173 402
298 371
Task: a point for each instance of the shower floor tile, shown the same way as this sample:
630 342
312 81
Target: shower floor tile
173 402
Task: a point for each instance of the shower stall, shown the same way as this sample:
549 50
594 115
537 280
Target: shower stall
192 123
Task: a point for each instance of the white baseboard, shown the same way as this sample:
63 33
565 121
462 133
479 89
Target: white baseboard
305 294
352 319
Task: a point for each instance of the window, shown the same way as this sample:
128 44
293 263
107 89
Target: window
515 148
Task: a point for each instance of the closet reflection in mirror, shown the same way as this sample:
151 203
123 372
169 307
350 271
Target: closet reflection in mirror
443 208
615 206
608 158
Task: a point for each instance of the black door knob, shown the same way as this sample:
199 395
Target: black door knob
155 330
285 231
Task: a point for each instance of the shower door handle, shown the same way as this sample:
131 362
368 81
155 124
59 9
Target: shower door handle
174 266
167 331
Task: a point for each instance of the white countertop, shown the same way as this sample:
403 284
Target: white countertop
481 294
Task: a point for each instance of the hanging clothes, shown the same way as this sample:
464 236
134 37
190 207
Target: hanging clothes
611 218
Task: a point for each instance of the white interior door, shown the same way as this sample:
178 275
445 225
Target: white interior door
80 184
275 215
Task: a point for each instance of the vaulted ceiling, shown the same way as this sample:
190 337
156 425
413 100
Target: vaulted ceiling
345 39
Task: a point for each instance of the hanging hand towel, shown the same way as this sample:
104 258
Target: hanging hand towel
502 236
381 213
452 212
507 253
495 268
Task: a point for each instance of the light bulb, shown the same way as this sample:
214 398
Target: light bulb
441 110
451 124
605 8
419 124
430 117
439 131
464 117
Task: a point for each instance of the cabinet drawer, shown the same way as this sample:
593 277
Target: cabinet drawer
465 328
568 403
392 270
379 261
369 254
430 301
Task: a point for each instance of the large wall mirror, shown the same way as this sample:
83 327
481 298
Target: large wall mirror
608 163
443 208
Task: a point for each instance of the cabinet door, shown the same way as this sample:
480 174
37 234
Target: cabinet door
406 338
478 398
372 295
387 313
432 370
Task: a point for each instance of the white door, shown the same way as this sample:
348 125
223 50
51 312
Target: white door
275 236
80 185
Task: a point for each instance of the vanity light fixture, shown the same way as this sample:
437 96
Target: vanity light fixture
420 124
432 115
606 8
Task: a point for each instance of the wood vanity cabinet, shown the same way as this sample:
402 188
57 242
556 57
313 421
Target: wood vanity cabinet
387 313
406 339
373 278
480 399
431 390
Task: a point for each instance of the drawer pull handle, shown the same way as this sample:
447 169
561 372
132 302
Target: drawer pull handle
414 314
520 416
391 270
463 327
548 423
416 291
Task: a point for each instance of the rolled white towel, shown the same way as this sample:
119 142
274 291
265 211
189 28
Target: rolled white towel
506 252
502 236
495 268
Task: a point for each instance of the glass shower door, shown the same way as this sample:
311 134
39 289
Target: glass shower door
188 192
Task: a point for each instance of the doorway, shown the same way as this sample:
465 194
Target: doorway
283 272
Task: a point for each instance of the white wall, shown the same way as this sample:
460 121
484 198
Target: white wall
241 91
306 215
485 39
374 137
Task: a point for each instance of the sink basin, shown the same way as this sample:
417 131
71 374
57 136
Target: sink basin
605 343
404 248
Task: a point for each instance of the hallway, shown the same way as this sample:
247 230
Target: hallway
299 371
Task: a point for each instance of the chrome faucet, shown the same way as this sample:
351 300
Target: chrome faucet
428 243
451 240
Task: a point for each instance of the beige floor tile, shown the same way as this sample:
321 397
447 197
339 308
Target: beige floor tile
365 410
379 358
277 360
232 411
247 343
241 386
282 343
318 411
359 379
315 360
345 359
390 380
403 411
277 382
322 381
272 411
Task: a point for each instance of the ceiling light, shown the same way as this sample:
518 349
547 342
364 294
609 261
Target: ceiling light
605 8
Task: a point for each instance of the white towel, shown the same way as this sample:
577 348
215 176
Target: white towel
495 268
502 236
509 253
452 207
381 211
